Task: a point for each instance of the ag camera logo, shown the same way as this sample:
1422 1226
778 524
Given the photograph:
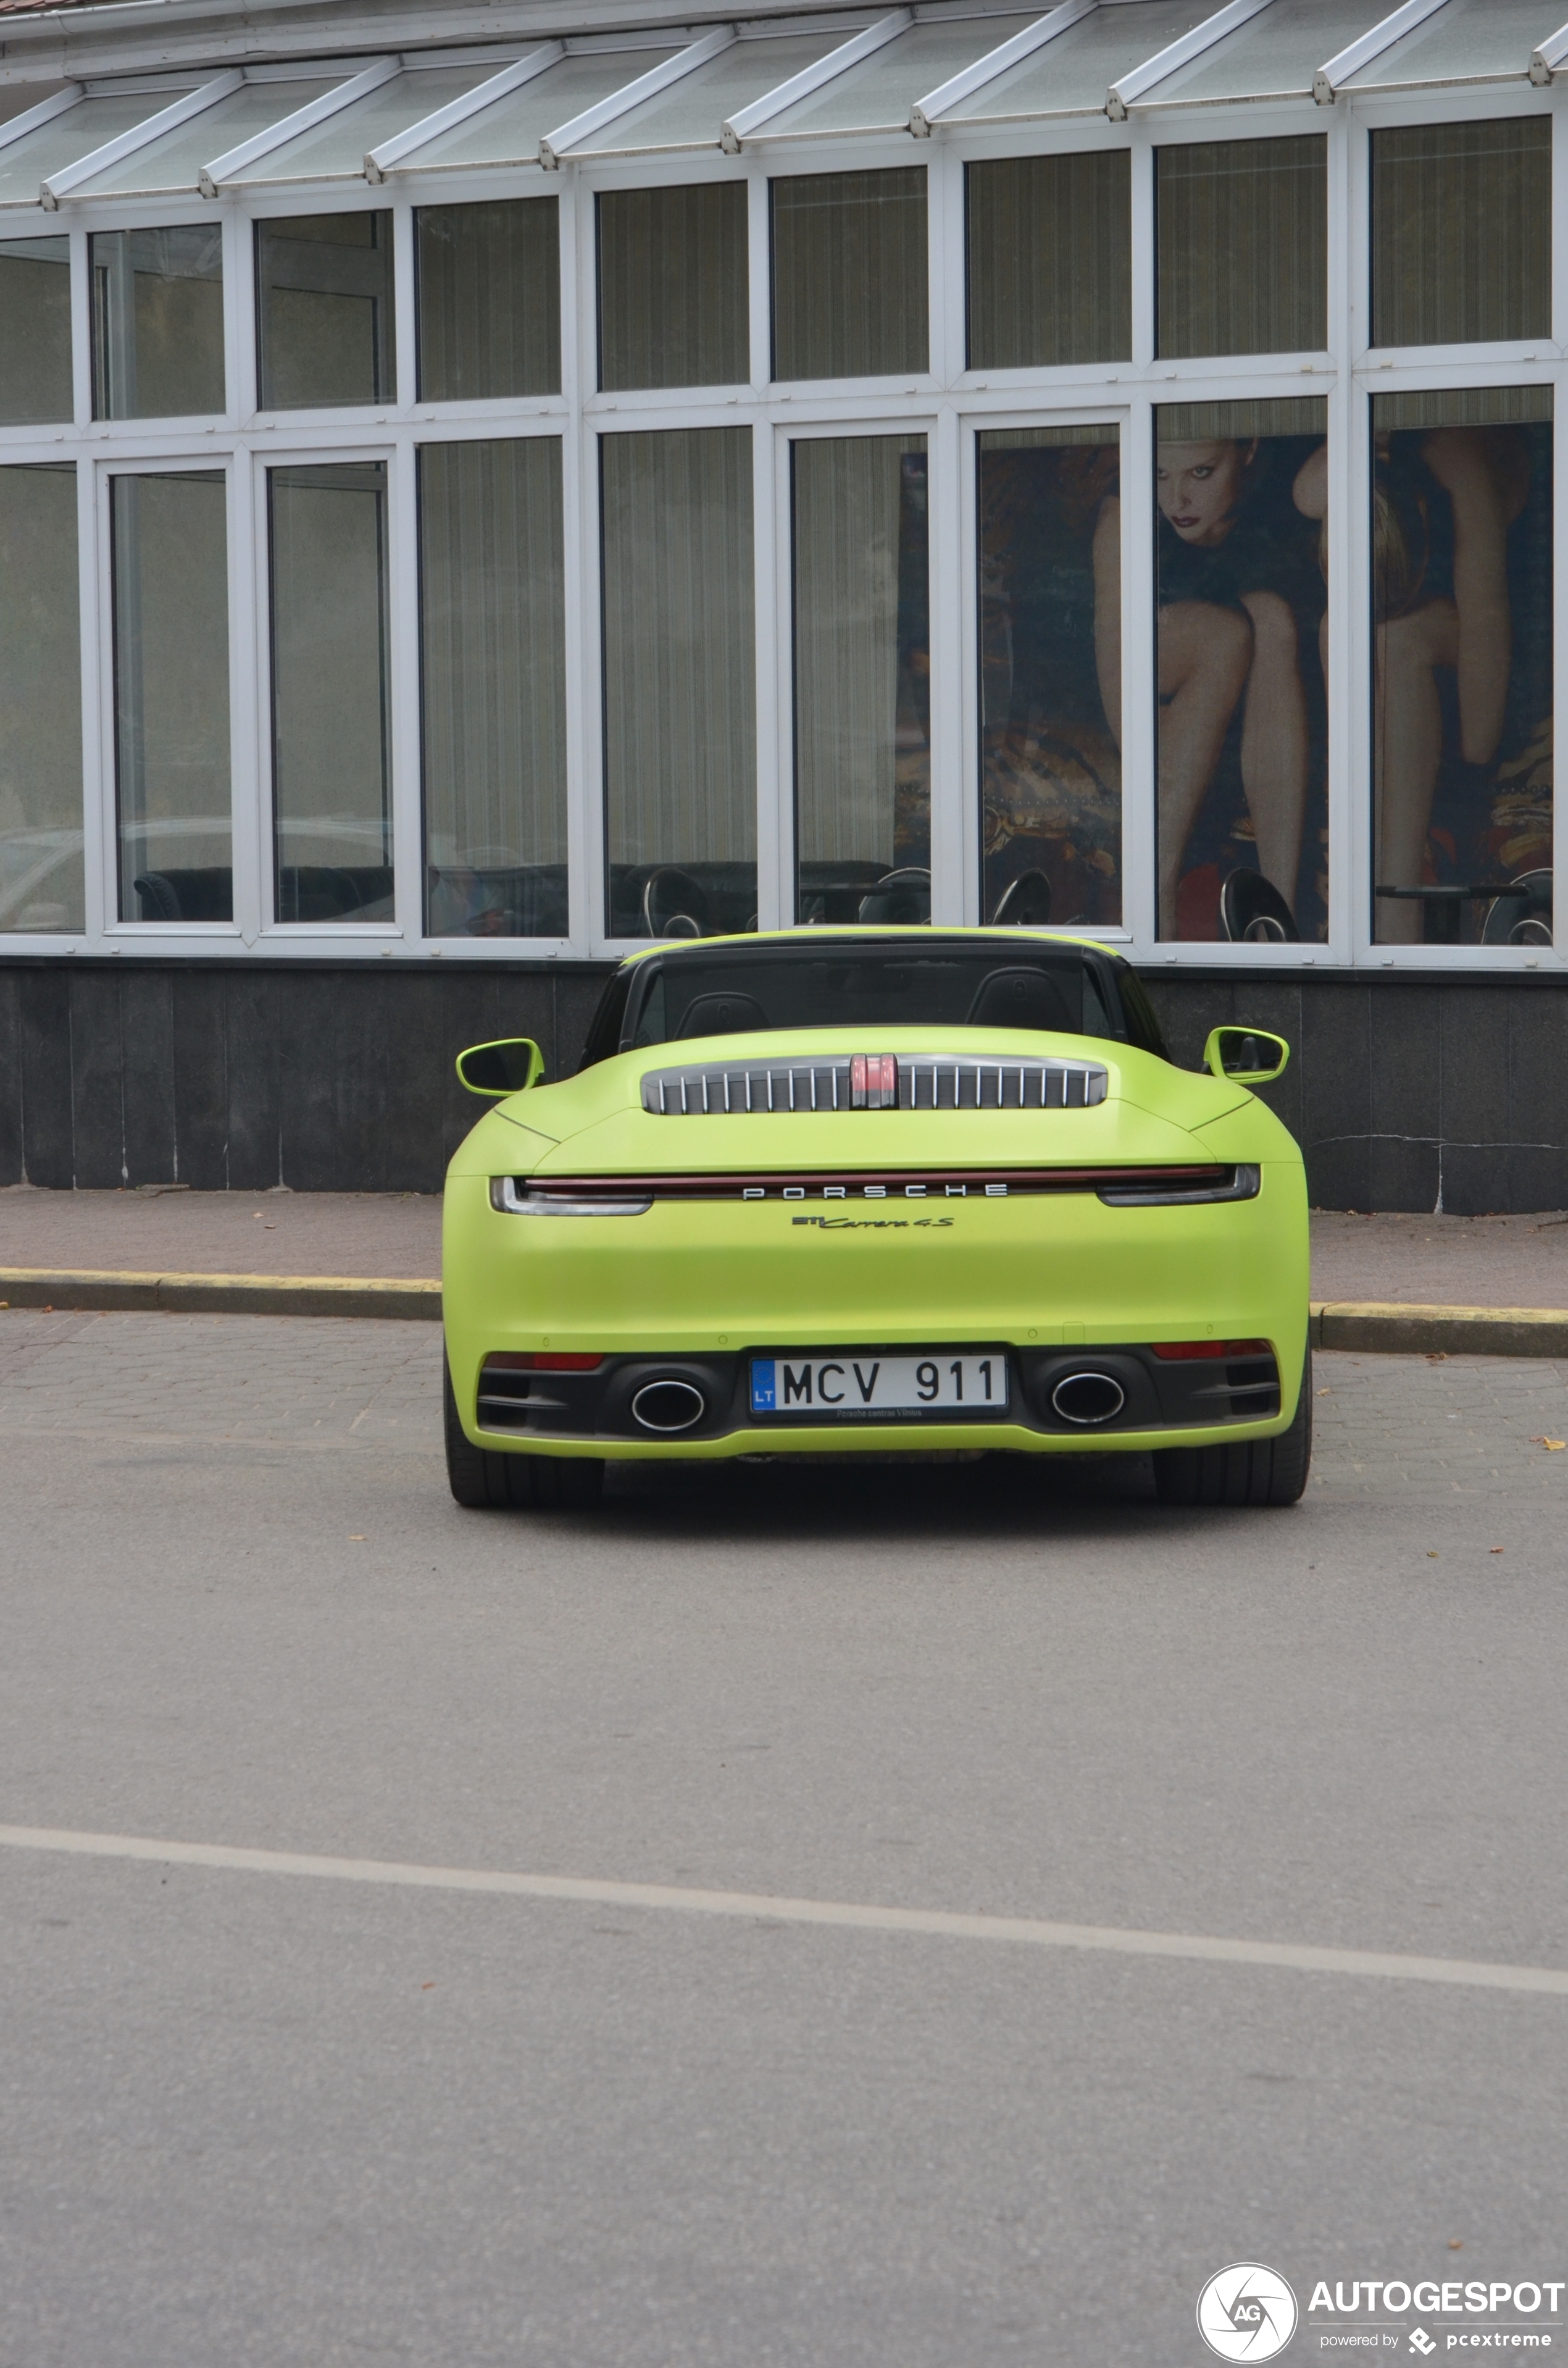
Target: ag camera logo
1246 2312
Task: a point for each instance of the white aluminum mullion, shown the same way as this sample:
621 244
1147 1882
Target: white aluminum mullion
1142 261
1559 217
81 336
759 258
555 146
966 661
584 832
406 357
775 909
944 501
403 641
1349 829
781 660
1548 56
265 788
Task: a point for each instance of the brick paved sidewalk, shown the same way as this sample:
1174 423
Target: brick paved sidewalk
1520 1261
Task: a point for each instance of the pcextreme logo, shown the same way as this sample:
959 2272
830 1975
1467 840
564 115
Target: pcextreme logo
1246 2312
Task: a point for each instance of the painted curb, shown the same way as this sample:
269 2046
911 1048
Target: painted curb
219 1294
1376 1327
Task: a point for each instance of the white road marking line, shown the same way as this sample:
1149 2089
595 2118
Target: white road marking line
764 1906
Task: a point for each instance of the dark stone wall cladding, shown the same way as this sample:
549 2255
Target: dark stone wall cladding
340 1079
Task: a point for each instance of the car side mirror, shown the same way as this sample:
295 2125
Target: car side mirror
1246 1056
508 1067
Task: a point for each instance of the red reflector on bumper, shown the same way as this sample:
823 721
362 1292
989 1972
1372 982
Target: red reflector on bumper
543 1361
1173 1348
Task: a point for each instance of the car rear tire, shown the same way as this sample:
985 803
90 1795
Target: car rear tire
485 1481
1254 1472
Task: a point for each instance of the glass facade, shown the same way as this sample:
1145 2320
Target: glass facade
157 323
331 694
680 682
553 518
862 643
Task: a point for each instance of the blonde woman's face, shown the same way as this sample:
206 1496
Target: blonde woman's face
1199 486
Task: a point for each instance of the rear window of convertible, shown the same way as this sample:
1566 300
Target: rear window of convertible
726 991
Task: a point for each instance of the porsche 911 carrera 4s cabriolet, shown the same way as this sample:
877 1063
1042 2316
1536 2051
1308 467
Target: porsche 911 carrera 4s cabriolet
877 1191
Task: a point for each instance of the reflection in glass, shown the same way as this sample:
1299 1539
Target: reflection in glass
849 274
331 766
672 281
41 702
1461 232
1242 262
680 682
325 302
34 331
1049 260
492 641
489 296
157 323
171 696
1049 507
1462 698
1241 493
862 635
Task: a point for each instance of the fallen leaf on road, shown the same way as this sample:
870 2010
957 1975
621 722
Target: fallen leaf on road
1431 1554
1323 1392
1493 1549
1438 1356
1549 1442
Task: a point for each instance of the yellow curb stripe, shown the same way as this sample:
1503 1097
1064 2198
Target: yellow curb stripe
1027 1932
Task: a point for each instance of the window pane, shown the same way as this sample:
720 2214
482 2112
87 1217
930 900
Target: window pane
1461 714
157 323
41 702
1241 492
324 293
849 275
331 769
680 682
492 620
489 280
1462 233
1050 514
672 281
1050 261
34 331
862 679
171 696
1243 246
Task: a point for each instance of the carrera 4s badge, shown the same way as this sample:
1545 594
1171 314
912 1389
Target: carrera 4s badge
870 1224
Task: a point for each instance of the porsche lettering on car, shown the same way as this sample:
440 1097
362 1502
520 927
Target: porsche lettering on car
841 1191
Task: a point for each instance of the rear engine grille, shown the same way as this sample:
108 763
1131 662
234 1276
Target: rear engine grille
919 1081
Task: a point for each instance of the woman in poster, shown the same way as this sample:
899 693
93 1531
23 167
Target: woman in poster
1235 573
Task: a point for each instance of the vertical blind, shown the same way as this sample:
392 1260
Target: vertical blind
488 283
673 279
849 275
1462 233
1050 261
41 702
1242 234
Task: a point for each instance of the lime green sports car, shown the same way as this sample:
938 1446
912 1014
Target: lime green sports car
851 1191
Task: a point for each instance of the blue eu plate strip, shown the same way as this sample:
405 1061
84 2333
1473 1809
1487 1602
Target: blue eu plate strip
764 1385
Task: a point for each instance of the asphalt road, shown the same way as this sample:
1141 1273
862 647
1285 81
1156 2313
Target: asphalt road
253 2116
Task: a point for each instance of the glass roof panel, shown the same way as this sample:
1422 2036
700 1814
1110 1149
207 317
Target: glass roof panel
509 133
690 113
1465 39
1272 56
878 94
174 161
339 145
76 134
1071 74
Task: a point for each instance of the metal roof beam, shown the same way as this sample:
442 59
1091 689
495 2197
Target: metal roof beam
1131 86
926 113
749 119
391 153
235 161
113 151
1545 61
1331 79
556 144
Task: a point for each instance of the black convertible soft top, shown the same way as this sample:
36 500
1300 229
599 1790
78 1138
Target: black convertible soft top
725 988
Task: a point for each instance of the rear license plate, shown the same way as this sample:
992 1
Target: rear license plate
843 1383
